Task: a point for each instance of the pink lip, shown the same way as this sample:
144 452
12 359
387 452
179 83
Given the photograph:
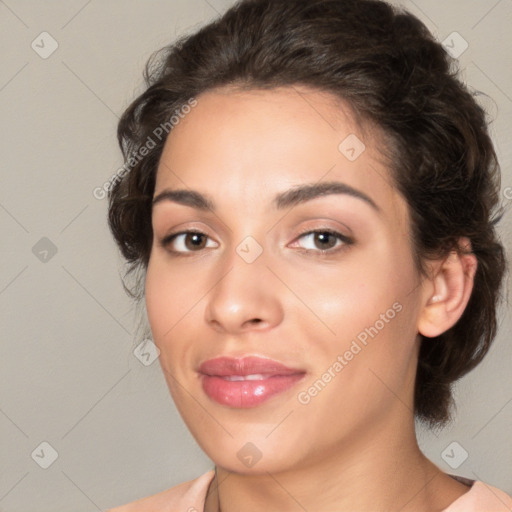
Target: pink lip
275 378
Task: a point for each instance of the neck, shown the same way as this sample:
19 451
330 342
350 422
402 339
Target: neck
383 469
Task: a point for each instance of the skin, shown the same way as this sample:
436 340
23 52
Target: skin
353 445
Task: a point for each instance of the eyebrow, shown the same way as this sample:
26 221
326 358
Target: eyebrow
289 198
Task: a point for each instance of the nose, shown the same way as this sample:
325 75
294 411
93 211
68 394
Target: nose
245 298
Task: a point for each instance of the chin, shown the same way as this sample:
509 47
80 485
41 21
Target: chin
252 453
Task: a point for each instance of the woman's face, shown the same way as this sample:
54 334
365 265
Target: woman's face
332 315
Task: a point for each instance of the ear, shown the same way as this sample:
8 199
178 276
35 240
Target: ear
447 290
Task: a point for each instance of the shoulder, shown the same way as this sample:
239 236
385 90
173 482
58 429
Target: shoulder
187 496
482 497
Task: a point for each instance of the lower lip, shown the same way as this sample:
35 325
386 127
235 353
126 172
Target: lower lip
247 393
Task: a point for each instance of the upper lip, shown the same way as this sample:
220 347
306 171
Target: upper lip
251 365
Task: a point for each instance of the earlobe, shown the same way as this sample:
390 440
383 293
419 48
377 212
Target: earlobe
447 291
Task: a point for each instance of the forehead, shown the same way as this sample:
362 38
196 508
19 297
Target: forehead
240 144
286 122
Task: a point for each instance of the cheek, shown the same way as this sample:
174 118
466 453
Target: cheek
362 372
171 298
352 296
170 304
365 312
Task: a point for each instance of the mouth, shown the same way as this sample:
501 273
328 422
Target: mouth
246 382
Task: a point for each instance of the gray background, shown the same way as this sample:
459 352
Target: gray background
68 373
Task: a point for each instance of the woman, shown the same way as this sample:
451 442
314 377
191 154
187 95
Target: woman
311 197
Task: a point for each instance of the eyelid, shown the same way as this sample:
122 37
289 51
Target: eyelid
170 238
345 239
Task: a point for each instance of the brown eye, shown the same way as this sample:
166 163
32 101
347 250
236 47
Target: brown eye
323 241
195 241
187 241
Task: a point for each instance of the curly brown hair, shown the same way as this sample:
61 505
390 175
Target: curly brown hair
386 64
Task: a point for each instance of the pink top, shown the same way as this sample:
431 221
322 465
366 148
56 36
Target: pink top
190 496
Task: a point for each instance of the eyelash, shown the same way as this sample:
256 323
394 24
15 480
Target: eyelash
346 241
165 242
